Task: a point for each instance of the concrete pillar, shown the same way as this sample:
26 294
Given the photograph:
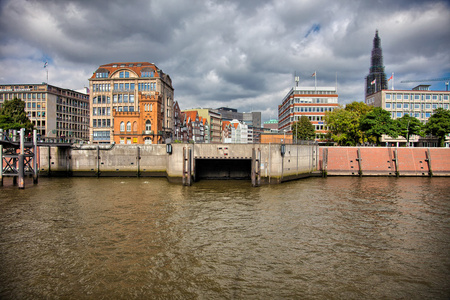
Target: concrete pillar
22 160
35 158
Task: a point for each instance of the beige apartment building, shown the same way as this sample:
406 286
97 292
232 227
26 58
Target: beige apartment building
56 113
420 102
117 86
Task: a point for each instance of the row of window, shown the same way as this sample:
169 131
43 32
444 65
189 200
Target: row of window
102 75
101 100
123 98
37 105
148 74
312 100
311 109
104 87
24 96
149 86
425 115
415 106
124 74
101 111
34 114
416 97
96 123
124 108
101 135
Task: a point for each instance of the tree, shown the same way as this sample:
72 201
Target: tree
408 126
303 129
344 123
13 115
378 122
439 125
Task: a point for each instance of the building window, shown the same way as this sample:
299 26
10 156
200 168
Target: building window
388 105
388 96
122 126
128 126
399 105
399 115
124 74
405 105
148 125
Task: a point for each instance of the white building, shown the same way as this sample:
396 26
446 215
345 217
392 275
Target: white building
420 102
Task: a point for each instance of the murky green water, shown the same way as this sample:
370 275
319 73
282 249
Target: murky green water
130 238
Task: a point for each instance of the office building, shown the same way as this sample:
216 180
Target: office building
56 113
312 102
420 102
116 86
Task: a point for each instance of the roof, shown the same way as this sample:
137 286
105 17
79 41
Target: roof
136 67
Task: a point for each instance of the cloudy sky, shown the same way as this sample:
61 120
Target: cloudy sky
235 53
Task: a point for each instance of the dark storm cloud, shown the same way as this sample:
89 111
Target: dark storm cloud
234 53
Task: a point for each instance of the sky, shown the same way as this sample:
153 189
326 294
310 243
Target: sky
232 53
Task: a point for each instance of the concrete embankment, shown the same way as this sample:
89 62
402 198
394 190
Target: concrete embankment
260 163
384 161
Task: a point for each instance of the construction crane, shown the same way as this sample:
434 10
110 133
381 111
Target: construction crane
428 80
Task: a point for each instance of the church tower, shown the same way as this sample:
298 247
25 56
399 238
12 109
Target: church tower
376 80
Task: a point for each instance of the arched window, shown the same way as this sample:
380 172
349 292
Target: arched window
122 126
148 125
128 126
134 126
151 107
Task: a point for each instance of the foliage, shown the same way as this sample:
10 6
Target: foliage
408 126
439 124
303 129
344 123
13 116
378 122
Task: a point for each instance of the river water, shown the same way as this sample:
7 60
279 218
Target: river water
137 238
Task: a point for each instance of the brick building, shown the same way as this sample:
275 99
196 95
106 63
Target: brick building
115 86
140 127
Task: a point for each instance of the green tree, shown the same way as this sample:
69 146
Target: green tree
344 123
303 129
408 126
378 122
13 115
439 125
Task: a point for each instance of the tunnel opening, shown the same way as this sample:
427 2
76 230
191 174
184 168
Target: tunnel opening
223 169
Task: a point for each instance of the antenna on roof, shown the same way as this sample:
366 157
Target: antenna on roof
296 79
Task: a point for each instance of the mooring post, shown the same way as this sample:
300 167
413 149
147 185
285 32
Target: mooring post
324 162
359 159
397 173
428 160
98 161
35 157
21 160
138 159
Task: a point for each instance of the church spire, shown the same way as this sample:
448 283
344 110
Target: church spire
376 80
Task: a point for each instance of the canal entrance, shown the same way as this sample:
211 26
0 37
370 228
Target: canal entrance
223 169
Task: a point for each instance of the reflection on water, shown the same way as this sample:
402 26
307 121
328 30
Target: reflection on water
129 238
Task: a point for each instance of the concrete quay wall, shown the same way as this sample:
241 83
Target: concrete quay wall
268 164
384 161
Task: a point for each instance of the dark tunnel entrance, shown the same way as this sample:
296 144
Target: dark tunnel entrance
223 169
